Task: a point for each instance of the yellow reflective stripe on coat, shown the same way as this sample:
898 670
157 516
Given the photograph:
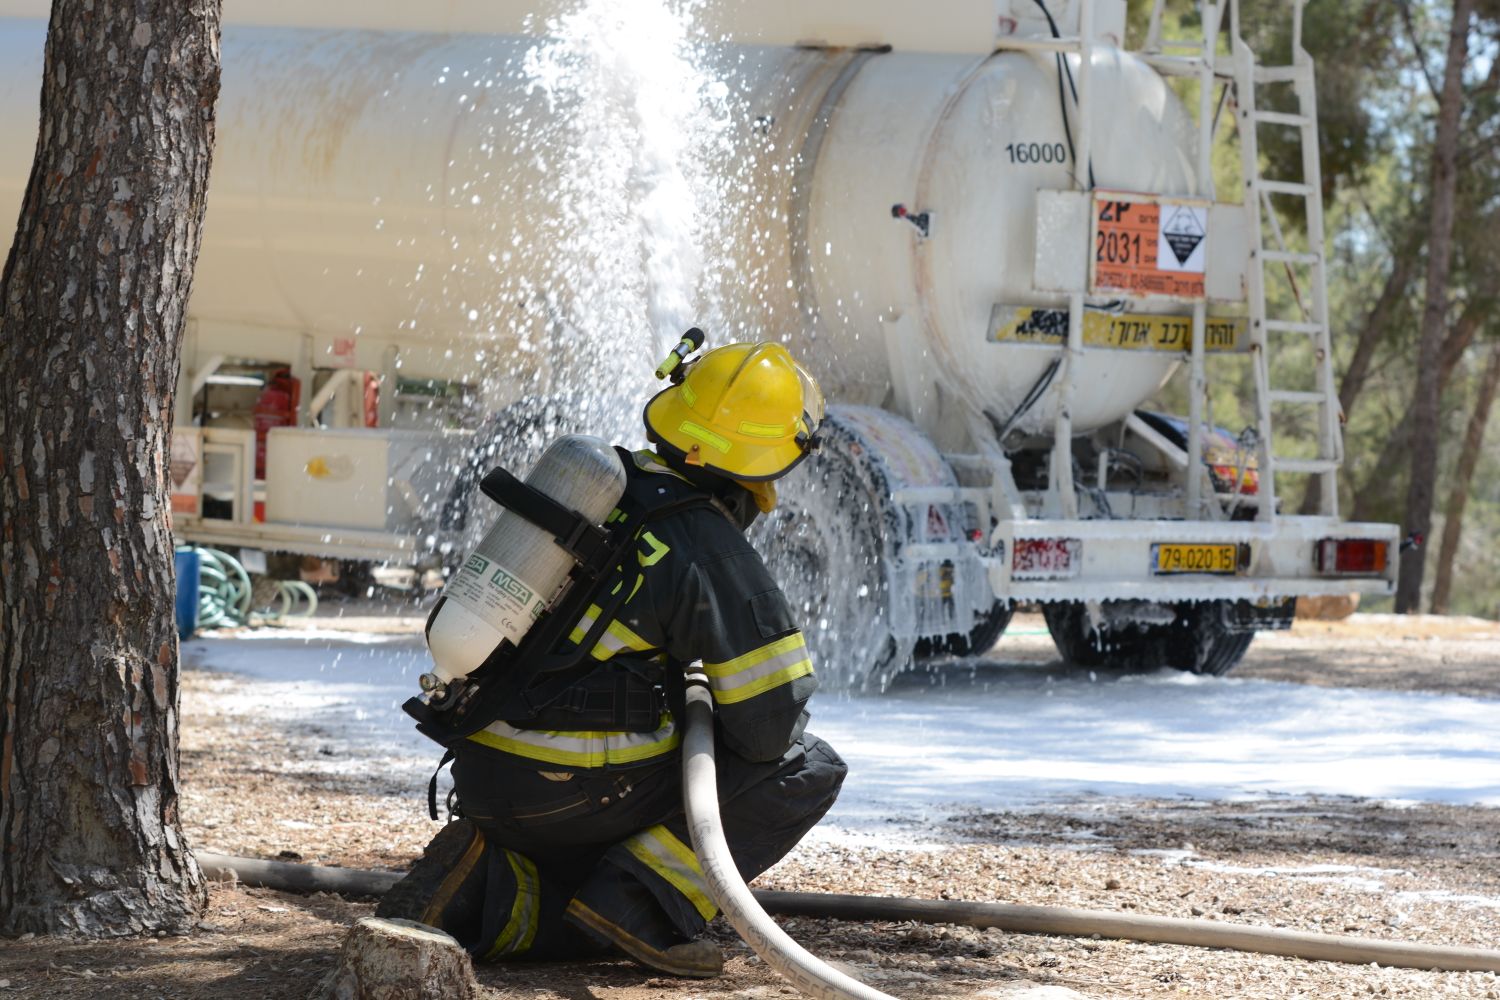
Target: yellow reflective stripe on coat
659 849
760 670
580 748
616 636
525 910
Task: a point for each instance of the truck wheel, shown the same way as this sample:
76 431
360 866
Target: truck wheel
825 544
514 438
1197 640
986 632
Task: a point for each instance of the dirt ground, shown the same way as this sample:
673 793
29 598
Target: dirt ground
1424 873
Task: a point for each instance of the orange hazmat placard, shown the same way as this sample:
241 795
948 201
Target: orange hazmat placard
1148 246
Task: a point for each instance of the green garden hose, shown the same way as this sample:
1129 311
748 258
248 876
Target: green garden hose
225 589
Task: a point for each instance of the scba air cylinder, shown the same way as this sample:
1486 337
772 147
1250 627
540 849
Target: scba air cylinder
517 568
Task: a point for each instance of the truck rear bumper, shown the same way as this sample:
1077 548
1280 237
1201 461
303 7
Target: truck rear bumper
1115 560
326 543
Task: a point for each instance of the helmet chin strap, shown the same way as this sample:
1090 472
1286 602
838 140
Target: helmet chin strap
763 492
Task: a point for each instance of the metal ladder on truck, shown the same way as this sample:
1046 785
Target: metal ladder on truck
1198 58
1270 334
1192 58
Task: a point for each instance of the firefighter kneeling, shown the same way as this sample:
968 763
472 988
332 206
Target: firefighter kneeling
573 836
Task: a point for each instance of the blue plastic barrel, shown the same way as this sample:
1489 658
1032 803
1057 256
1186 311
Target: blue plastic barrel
188 564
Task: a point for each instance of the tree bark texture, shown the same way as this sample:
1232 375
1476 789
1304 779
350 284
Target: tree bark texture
1468 462
1377 492
1377 324
1421 488
92 304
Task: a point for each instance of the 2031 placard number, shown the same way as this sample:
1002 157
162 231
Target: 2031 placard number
1037 152
1118 248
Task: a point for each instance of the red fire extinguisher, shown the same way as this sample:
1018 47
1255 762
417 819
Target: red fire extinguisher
276 407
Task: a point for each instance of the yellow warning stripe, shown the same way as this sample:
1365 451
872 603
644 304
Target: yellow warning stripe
760 670
455 878
582 749
659 849
615 638
520 930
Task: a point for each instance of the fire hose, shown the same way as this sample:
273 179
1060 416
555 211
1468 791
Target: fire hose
750 912
810 975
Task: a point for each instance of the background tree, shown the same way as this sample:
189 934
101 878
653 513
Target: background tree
92 302
1463 480
1381 74
1427 396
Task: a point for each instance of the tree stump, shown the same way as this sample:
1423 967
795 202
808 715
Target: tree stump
399 960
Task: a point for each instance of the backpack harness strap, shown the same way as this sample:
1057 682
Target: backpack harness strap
574 533
521 681
448 757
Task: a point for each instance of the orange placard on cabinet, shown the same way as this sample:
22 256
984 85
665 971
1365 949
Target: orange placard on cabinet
1147 245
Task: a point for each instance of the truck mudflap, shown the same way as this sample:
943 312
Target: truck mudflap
1259 562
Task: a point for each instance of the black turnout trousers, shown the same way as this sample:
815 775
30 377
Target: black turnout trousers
618 840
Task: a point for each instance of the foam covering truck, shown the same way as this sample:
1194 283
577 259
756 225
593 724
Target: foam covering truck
989 227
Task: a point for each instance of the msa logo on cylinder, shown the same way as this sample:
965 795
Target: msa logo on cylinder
511 586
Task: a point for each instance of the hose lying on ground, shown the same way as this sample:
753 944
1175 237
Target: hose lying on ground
1067 922
1001 916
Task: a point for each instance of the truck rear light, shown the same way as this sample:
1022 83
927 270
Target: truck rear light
1224 479
1046 558
1351 556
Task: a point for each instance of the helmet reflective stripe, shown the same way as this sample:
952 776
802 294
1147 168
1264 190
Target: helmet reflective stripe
762 430
759 670
525 910
659 849
580 748
700 433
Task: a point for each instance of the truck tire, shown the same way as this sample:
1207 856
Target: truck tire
1197 641
514 438
826 545
986 632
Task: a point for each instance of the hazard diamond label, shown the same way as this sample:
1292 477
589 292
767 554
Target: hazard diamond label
1184 229
1149 246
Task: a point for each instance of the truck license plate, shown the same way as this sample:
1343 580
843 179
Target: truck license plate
1175 557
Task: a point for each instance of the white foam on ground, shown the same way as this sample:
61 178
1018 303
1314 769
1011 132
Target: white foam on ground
1008 741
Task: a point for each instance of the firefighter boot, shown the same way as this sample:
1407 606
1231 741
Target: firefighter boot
446 887
636 924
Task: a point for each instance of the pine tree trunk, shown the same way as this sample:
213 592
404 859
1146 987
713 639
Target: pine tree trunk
92 301
1421 488
1378 323
1376 489
1372 333
1468 462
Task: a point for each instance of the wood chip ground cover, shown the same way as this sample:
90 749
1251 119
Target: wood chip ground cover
1425 873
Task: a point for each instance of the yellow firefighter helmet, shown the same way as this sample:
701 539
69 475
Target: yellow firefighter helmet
746 411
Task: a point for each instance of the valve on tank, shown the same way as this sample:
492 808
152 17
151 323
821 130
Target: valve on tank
922 220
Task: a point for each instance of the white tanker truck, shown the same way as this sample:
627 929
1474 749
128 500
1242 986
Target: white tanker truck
990 230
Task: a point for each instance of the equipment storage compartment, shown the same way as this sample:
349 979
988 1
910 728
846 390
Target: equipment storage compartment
373 480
